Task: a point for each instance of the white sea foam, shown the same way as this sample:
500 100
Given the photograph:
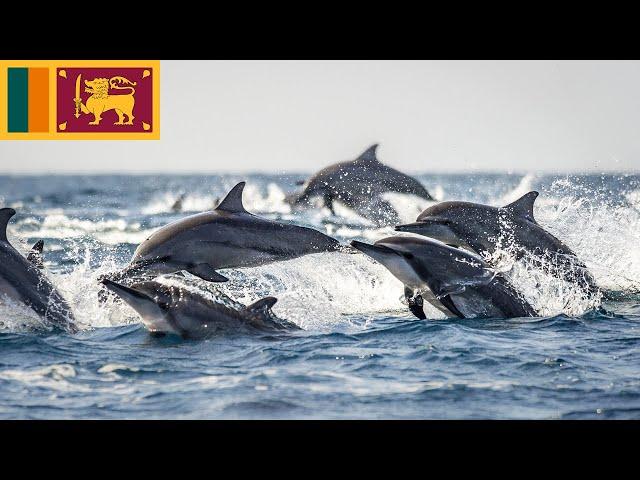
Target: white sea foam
605 236
318 291
633 197
56 377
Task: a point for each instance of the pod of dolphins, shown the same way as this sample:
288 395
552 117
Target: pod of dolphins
446 262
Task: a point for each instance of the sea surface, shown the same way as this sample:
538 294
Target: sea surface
360 353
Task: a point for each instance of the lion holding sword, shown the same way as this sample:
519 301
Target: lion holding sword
100 101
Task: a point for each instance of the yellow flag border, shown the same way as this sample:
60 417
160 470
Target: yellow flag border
53 134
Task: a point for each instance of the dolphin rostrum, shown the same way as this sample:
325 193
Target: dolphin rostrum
178 310
455 281
360 185
227 237
484 229
23 281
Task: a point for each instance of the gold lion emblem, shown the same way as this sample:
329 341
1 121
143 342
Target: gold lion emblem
100 101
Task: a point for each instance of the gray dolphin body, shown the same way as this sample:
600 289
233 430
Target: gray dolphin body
172 309
227 237
359 184
456 282
481 228
23 281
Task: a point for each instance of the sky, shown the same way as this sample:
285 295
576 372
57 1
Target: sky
427 116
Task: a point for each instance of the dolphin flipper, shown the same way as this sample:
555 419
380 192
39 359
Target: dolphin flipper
206 272
262 305
415 303
327 199
447 302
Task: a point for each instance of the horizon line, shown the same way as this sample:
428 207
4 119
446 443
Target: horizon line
307 172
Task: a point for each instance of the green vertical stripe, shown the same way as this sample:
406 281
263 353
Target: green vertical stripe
18 82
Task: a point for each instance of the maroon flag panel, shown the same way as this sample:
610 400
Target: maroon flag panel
96 100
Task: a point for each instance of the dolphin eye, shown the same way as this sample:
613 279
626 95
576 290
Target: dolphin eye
408 256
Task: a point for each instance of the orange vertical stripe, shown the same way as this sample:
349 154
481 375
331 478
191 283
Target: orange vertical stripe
38 99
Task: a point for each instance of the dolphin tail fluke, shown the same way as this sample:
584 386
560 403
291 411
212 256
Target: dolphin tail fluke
35 255
38 246
207 272
5 216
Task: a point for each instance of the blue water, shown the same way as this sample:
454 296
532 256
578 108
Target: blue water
360 353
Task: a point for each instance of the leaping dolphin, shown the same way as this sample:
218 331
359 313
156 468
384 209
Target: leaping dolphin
360 185
23 281
172 309
484 229
227 237
455 281
177 205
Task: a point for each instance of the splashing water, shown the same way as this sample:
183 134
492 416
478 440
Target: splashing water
361 354
320 291
600 229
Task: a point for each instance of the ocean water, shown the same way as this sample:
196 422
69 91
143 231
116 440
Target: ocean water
360 353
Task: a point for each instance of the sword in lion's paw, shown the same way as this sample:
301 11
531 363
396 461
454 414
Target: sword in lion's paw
78 100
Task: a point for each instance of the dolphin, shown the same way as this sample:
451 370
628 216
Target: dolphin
360 185
177 205
23 281
483 229
457 282
171 309
227 237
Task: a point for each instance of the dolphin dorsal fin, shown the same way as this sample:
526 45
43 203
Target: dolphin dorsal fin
523 207
5 216
262 305
369 155
233 201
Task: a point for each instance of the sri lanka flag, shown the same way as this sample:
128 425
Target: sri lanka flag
79 100
27 99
